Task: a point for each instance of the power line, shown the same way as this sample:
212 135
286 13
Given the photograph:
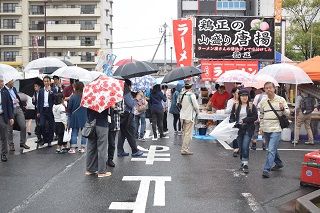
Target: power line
135 46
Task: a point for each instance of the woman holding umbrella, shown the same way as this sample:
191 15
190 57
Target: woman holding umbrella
157 112
174 110
127 123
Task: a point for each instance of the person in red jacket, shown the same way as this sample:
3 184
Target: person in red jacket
219 99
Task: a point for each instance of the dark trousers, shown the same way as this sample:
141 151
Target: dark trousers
127 132
47 115
60 139
37 129
111 144
165 122
157 120
176 119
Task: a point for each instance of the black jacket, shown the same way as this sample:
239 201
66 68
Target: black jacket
248 121
7 104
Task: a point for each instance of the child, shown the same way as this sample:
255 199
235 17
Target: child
60 118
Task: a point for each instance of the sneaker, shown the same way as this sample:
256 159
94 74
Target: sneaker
72 151
91 173
143 139
107 174
309 143
123 154
241 167
235 154
186 153
265 174
162 136
245 169
264 146
276 167
137 154
59 151
179 132
254 146
82 150
11 148
294 142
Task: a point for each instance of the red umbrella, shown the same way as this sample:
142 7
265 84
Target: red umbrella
124 61
102 93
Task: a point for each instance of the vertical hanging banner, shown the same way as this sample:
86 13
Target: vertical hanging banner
236 38
278 10
37 45
182 35
108 65
102 60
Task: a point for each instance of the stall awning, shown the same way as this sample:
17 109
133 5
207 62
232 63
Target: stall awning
311 67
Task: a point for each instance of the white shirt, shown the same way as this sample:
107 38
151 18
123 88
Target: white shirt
46 98
188 110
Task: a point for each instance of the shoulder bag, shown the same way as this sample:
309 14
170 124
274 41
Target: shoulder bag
284 121
89 129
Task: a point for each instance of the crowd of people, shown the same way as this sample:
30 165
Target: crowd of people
59 107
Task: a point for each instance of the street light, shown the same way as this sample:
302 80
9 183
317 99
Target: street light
45 26
163 29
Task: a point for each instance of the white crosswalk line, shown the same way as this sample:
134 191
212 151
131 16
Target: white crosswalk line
33 146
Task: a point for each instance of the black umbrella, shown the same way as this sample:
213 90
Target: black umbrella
26 85
181 73
135 69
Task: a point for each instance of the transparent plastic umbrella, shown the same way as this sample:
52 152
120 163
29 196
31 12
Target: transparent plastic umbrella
235 76
44 62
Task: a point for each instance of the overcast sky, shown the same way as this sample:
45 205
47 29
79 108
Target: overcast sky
136 28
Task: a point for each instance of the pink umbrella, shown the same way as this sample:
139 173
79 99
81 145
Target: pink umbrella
102 93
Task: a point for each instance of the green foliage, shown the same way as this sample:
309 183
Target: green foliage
302 23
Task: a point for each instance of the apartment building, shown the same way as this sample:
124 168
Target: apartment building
75 30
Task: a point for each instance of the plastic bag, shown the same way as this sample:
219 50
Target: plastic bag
67 135
224 131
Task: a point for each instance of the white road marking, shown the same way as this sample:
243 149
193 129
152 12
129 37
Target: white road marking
140 205
33 146
251 201
225 145
153 156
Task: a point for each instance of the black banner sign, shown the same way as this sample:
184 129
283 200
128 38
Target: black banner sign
234 37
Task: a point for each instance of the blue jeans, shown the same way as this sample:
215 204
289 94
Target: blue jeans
74 135
137 118
272 140
243 140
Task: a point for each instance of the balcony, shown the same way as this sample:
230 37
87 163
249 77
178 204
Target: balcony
16 11
17 43
73 44
16 27
71 12
89 60
66 27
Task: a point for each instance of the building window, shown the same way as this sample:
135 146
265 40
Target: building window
9 7
37 25
87 25
71 22
9 23
9 39
71 38
87 9
37 9
71 6
10 56
87 40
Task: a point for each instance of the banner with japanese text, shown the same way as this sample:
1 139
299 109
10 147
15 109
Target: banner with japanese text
278 10
234 37
182 35
214 68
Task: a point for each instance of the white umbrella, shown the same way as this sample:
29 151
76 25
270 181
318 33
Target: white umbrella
44 62
9 73
287 73
259 81
73 72
235 76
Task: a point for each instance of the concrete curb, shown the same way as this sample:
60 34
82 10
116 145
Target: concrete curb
304 204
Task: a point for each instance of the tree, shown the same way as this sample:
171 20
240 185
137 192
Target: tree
302 22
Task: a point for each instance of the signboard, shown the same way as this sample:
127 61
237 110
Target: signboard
213 69
234 37
182 34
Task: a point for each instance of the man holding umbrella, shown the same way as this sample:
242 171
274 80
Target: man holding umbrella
6 116
18 116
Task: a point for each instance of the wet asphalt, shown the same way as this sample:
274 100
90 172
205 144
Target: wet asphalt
208 181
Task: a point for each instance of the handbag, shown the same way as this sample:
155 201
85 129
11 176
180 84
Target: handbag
284 121
67 135
141 108
89 129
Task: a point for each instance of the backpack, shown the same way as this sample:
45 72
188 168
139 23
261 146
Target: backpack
307 105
